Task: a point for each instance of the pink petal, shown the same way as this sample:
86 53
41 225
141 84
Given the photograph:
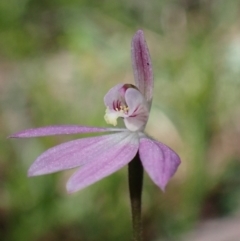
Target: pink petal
113 95
75 153
142 66
59 130
109 161
159 161
138 110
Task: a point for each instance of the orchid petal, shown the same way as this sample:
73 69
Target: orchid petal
142 66
59 130
138 110
159 161
113 95
75 153
109 161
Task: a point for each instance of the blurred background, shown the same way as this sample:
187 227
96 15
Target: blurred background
58 58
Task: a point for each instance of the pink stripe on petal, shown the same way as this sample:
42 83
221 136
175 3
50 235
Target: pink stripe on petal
59 130
142 66
159 161
136 102
112 96
107 162
138 110
74 153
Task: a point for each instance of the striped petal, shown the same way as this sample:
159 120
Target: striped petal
59 130
138 110
142 66
109 161
159 161
75 153
115 96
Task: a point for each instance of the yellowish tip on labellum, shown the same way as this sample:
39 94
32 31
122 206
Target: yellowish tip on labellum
111 117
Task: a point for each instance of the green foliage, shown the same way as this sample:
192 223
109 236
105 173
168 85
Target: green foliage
57 61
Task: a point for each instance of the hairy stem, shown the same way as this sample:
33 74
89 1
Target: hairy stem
135 178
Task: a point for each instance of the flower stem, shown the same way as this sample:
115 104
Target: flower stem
135 178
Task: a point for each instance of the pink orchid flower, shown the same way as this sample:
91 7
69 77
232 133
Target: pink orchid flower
100 156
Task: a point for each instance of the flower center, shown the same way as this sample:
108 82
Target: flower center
127 102
122 109
111 116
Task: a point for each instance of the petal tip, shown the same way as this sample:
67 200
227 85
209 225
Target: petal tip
31 173
162 186
139 32
70 188
163 189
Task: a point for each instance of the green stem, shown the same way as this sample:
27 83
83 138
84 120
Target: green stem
135 178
